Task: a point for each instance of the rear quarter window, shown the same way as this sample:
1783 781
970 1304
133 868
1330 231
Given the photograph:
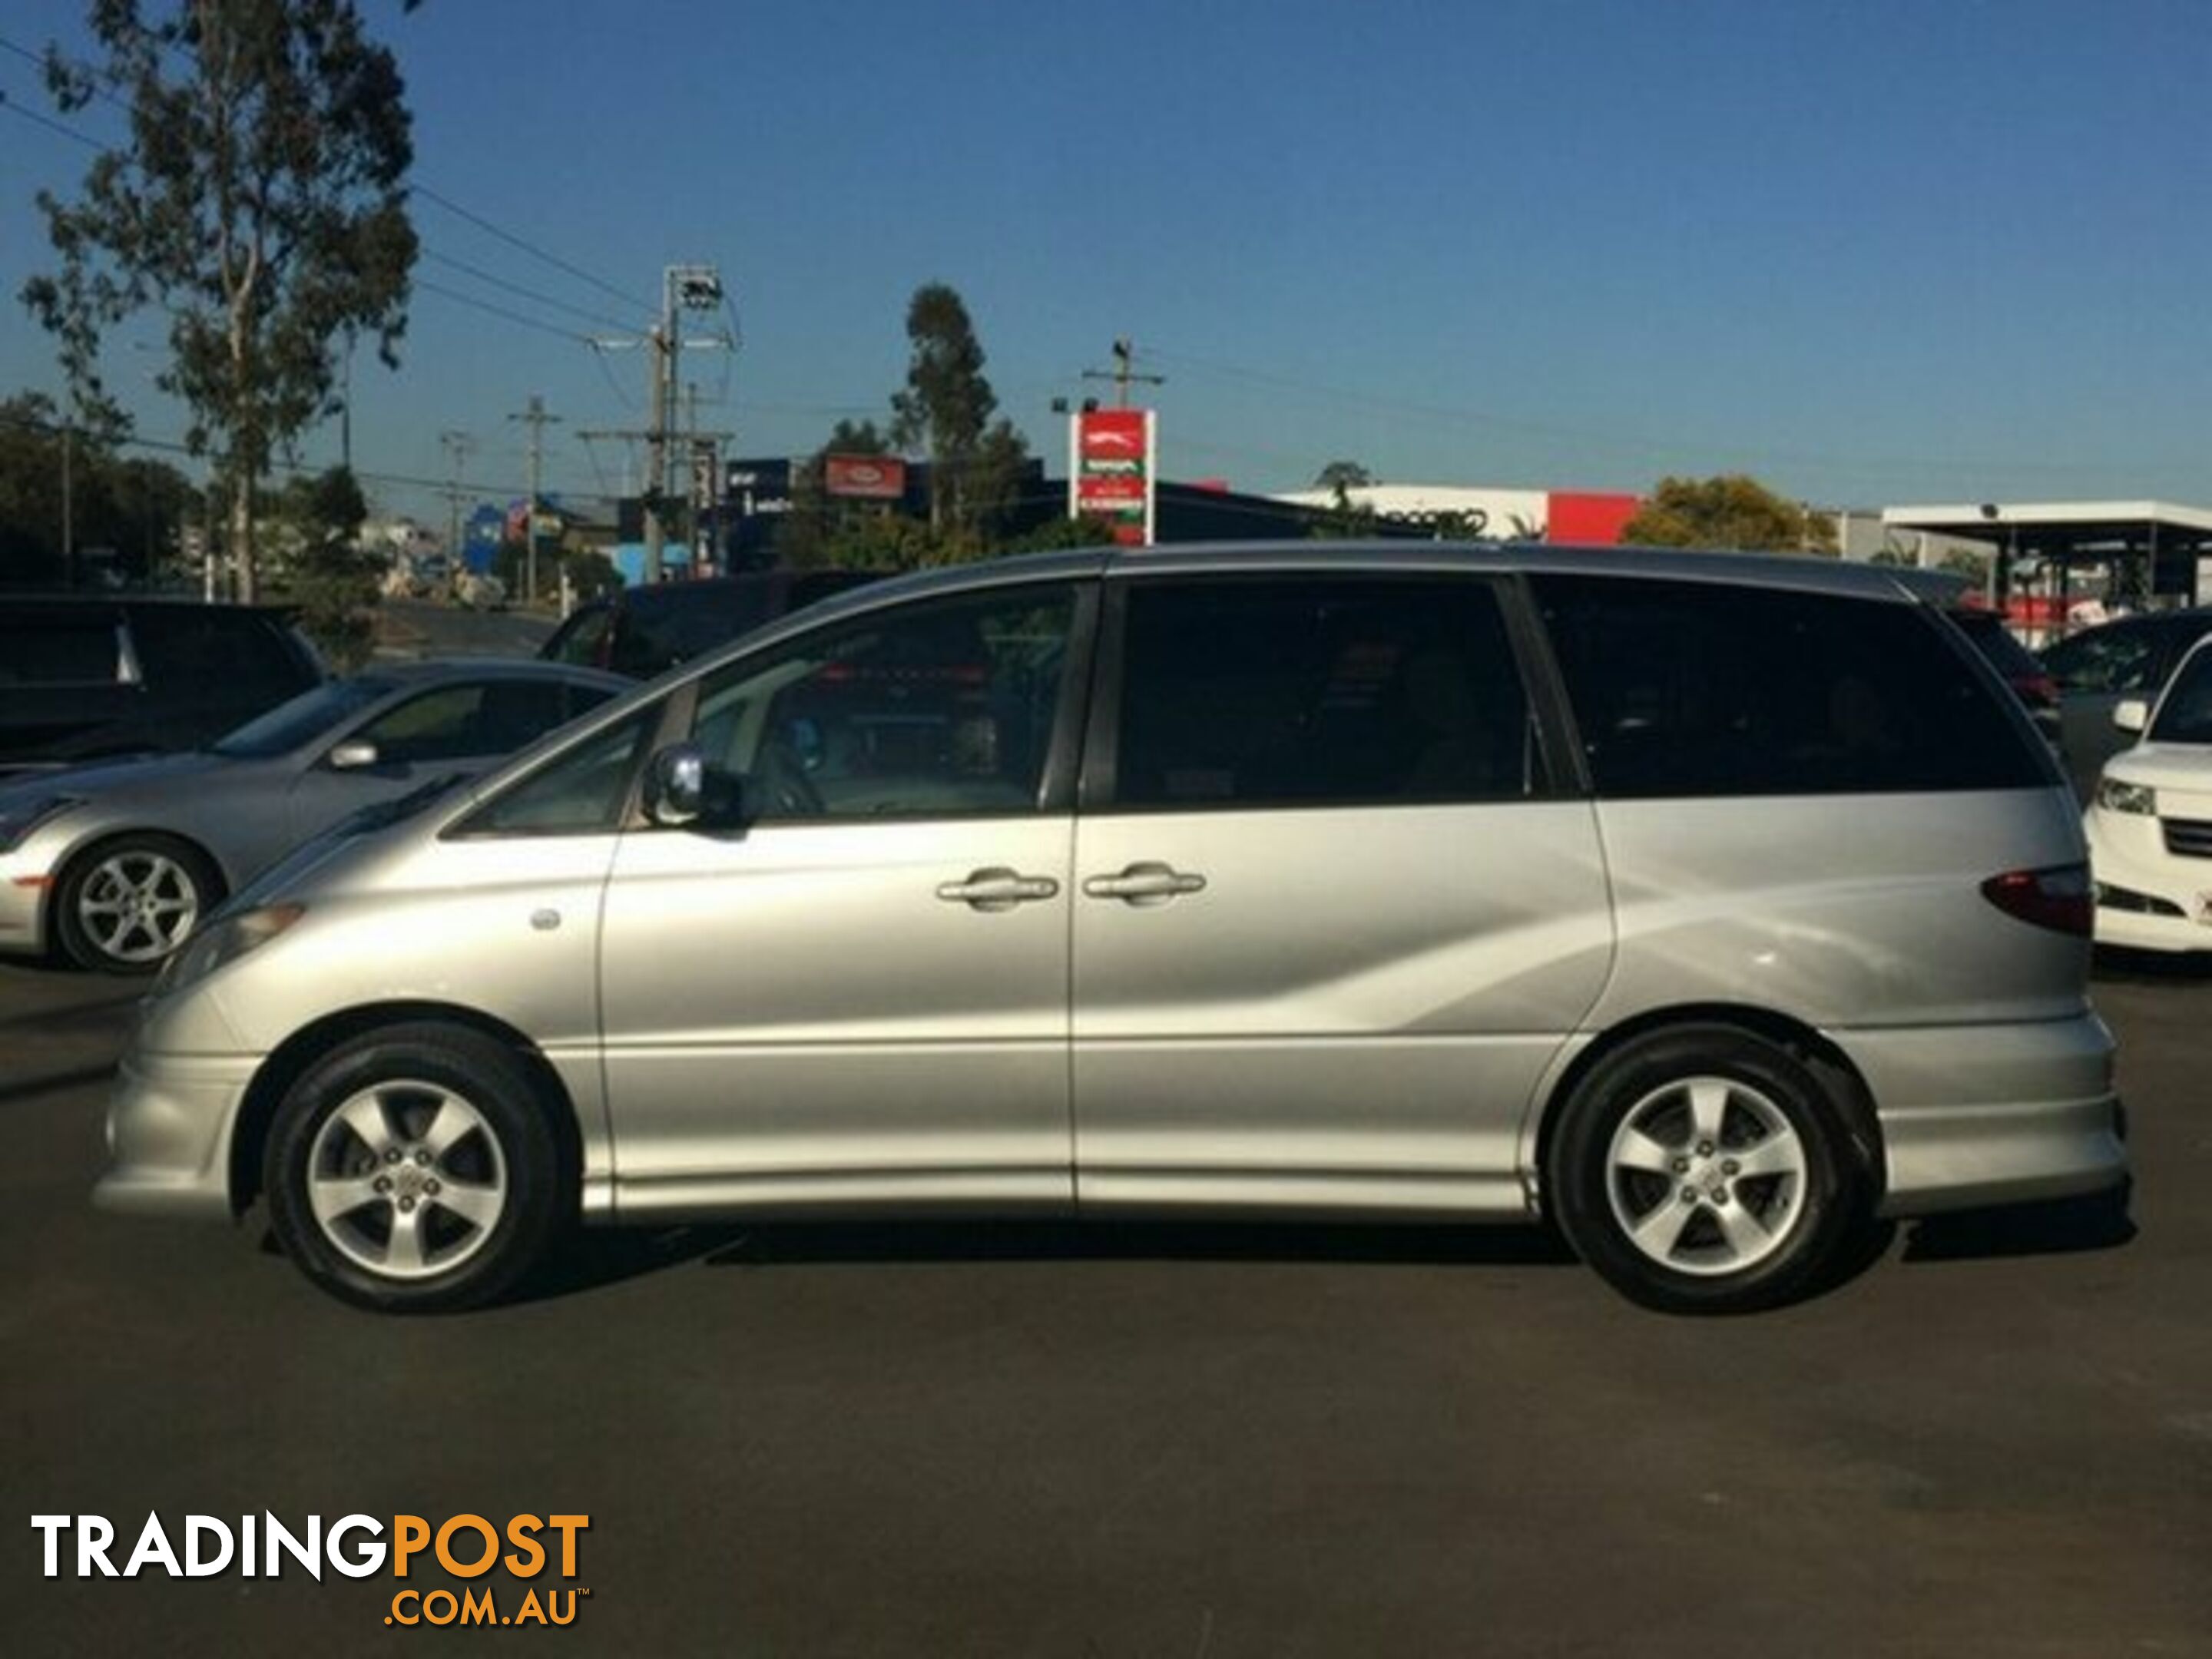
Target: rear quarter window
1691 689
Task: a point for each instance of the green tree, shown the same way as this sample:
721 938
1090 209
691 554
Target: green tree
1733 512
1341 475
260 205
135 507
332 578
944 413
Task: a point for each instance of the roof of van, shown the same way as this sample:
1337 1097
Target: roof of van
1803 571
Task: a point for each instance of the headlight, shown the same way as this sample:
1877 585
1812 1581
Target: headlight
2137 798
17 822
229 939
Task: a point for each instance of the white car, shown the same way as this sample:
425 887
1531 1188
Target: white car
2150 822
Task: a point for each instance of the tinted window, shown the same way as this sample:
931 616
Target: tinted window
668 625
582 640
1695 688
931 710
2184 715
579 791
58 647
1989 635
187 648
2123 658
1285 692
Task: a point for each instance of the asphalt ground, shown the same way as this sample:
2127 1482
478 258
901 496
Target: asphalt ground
1137 1441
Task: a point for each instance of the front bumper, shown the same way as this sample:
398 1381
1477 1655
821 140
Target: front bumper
169 1127
24 885
2149 898
1987 1115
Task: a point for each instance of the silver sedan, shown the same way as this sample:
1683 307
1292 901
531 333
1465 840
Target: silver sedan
116 863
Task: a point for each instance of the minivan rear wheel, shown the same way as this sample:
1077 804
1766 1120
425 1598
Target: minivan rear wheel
1703 1170
414 1170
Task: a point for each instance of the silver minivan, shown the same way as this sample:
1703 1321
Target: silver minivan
1708 905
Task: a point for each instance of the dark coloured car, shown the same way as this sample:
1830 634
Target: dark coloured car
2031 682
86 677
2100 667
639 631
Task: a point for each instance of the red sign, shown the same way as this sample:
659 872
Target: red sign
1110 476
864 478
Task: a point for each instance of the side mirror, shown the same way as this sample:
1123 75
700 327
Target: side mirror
353 755
676 786
2132 714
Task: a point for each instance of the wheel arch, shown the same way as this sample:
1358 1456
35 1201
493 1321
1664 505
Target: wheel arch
1846 1086
290 1060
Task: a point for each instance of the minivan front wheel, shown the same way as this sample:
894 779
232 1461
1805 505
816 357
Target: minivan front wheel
414 1170
1701 1171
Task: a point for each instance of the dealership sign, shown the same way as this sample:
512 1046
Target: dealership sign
1111 463
864 478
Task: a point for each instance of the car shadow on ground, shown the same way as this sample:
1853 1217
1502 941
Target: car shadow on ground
597 1258
2064 1226
2116 965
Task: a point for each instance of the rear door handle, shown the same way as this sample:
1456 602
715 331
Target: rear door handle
1144 884
998 889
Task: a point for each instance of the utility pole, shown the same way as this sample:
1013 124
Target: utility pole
683 288
458 445
537 420
69 504
1122 373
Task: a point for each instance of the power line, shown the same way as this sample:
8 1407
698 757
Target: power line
51 125
531 248
459 298
521 292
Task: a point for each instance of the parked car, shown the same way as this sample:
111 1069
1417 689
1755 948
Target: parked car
2149 822
2100 667
2030 680
116 863
83 676
641 631
1707 904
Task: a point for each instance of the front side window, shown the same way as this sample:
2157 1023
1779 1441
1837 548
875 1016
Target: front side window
579 791
1695 688
1320 691
938 709
478 717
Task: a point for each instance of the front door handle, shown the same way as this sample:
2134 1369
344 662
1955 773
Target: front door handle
998 889
1144 884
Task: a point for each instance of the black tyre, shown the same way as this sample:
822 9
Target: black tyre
417 1169
1704 1171
124 905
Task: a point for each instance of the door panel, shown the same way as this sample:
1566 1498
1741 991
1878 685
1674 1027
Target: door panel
857 993
1329 928
796 1013
1353 1011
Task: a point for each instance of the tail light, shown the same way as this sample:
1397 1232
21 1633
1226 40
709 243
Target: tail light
2059 898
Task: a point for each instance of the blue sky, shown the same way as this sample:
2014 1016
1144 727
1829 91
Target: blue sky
1899 250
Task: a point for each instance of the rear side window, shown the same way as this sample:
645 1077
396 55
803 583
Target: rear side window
1684 688
189 648
65 647
1320 691
671 624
